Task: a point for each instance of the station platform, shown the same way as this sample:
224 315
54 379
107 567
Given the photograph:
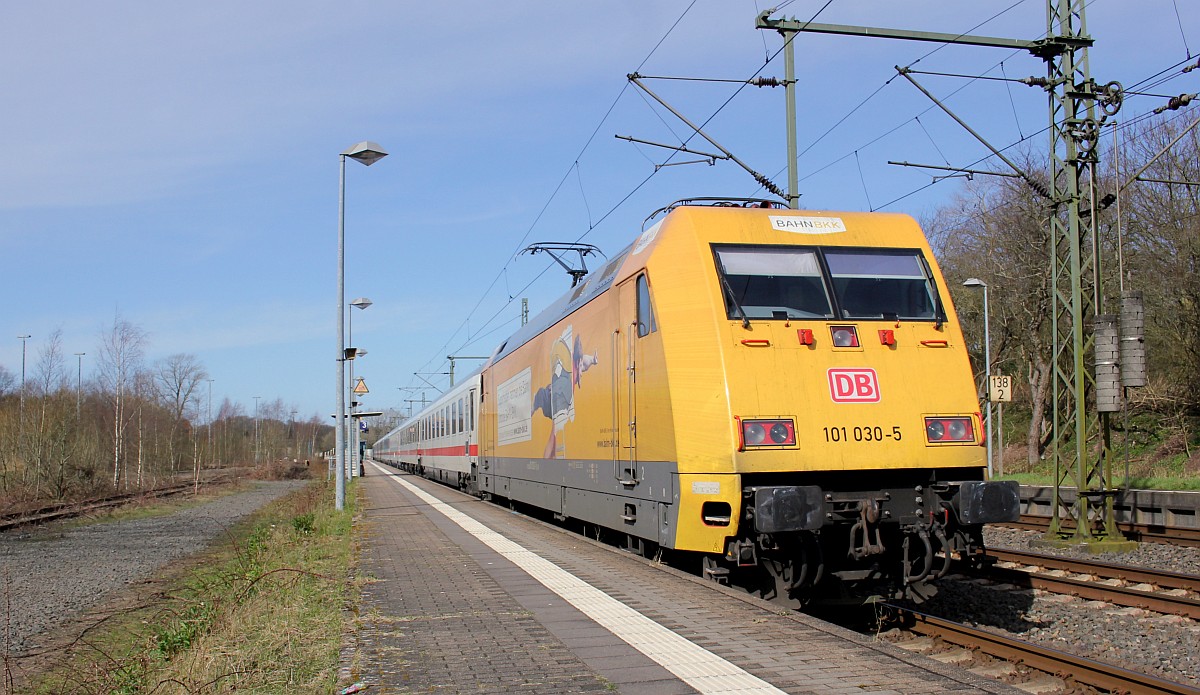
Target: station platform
465 596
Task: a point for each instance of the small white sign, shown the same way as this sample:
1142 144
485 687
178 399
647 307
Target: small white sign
706 488
1000 389
807 225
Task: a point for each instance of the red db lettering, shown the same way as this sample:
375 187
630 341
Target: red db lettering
853 385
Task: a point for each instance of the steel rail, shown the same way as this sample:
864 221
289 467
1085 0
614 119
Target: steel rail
1093 590
1061 664
68 510
1149 533
1109 570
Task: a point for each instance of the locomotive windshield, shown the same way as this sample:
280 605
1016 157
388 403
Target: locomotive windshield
768 283
881 284
791 283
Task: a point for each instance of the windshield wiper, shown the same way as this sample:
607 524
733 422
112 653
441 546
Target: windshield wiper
938 311
732 297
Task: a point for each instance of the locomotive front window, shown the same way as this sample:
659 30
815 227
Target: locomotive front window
882 285
778 283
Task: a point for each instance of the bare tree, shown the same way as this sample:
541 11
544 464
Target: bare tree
1162 258
996 230
122 349
176 379
8 381
49 440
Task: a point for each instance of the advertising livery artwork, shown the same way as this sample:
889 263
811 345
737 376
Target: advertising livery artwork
556 400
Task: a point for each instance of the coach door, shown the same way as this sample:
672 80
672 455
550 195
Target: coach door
487 439
636 322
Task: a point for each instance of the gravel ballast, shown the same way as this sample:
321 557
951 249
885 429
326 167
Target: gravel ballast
49 577
1164 646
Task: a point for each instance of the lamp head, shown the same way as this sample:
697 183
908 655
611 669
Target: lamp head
366 152
974 282
361 303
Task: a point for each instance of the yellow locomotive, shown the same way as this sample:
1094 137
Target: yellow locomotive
783 395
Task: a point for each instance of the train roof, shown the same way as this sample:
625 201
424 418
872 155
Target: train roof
592 285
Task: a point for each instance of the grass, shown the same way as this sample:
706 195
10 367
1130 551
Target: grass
261 613
1155 451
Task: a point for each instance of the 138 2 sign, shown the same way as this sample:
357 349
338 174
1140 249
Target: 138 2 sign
1000 389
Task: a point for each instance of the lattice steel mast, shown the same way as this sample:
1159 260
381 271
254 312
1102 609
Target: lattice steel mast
1080 438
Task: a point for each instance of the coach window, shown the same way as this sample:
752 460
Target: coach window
462 416
645 310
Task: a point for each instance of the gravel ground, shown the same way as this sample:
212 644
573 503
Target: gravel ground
1165 646
49 577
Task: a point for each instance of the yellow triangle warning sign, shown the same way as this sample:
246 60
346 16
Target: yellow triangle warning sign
361 387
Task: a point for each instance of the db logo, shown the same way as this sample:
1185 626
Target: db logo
854 385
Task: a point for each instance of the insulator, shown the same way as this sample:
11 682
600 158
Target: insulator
1176 103
1108 368
766 82
1035 81
1133 339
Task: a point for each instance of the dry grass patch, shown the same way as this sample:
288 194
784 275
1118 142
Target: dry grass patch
262 614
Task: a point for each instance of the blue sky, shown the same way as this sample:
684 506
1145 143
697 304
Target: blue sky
177 164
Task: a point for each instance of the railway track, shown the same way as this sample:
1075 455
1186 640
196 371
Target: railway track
1145 533
69 510
1154 590
1068 667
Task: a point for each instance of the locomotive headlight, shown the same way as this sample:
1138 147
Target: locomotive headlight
958 430
935 430
844 336
767 432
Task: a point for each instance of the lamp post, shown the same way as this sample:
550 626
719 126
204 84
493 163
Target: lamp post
987 366
256 429
21 406
212 454
78 383
361 304
366 153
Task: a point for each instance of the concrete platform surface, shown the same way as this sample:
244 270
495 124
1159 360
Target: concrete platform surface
465 596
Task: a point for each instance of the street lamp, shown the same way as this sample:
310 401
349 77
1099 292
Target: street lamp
361 303
987 366
21 407
366 153
256 429
212 454
78 383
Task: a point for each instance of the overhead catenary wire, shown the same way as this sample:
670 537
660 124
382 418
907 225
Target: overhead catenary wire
479 331
554 194
628 195
1158 78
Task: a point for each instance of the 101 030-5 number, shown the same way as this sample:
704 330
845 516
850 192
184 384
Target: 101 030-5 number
842 433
